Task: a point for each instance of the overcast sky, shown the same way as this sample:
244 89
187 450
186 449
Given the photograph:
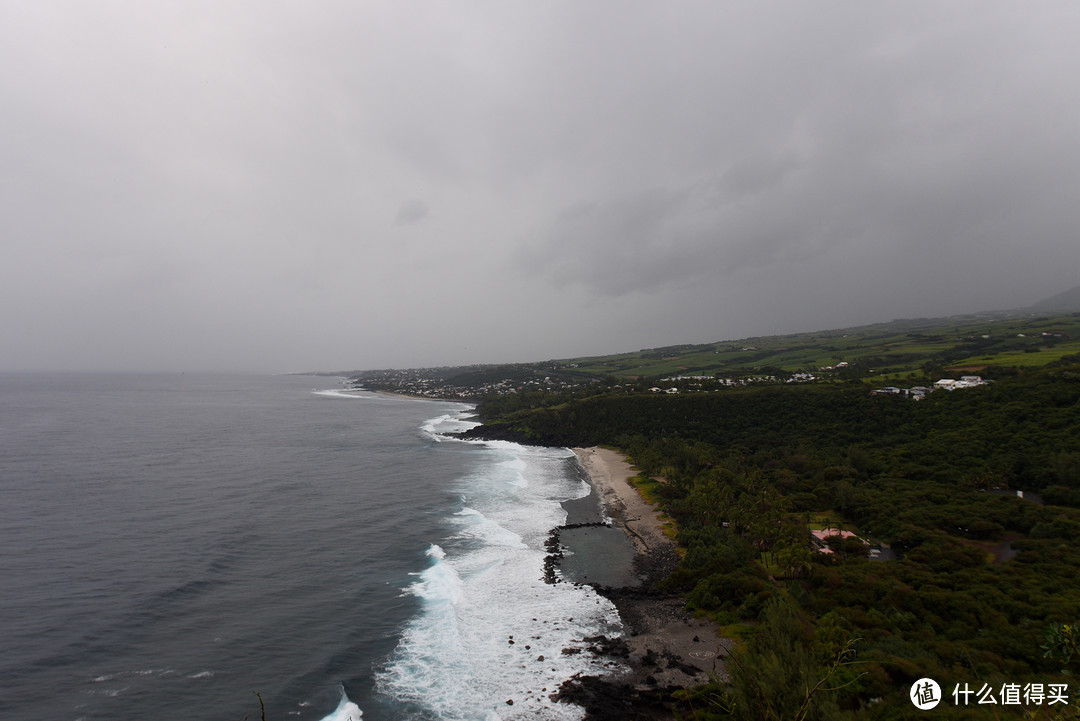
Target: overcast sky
281 186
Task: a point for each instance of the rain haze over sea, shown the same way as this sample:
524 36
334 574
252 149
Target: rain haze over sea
170 544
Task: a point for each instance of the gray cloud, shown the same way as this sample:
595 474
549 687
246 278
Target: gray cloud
926 147
204 186
412 211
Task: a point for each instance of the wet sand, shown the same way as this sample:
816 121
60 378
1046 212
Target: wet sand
666 647
610 474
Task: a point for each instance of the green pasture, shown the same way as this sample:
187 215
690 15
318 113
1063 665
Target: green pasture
894 350
1022 358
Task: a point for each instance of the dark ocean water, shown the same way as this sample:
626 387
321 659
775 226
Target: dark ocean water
170 544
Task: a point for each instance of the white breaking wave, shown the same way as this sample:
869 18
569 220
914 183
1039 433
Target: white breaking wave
346 710
430 426
490 630
484 529
440 584
437 427
342 393
516 467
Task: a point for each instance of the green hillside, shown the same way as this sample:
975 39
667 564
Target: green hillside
1067 302
946 570
951 574
901 352
898 347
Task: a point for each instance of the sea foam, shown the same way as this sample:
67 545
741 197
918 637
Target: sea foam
490 630
437 428
342 393
484 530
346 710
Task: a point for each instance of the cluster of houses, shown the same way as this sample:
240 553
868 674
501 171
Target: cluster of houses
917 393
964 382
821 538
821 542
707 382
429 383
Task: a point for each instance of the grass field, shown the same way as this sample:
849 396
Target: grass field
900 350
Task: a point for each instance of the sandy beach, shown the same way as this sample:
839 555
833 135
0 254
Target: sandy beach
668 648
610 473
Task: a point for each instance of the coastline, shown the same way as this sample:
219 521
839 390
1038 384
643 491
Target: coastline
610 474
411 397
666 648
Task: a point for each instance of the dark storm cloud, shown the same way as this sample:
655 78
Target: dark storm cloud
660 236
248 184
412 211
924 142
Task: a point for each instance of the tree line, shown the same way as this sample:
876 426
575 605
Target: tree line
980 576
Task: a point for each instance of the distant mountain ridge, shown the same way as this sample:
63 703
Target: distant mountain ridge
1067 302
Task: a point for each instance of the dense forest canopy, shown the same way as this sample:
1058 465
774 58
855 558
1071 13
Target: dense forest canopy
945 572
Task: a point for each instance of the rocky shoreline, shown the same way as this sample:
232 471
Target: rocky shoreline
663 646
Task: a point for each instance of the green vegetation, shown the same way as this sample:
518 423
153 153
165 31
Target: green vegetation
898 348
902 352
981 579
949 574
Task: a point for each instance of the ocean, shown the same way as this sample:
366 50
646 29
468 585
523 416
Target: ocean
172 544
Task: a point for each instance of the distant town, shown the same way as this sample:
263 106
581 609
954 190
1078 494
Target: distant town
454 384
900 358
917 393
